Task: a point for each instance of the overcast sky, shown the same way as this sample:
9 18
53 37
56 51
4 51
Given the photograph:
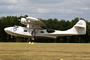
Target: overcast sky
45 9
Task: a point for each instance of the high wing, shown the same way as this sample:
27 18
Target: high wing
32 22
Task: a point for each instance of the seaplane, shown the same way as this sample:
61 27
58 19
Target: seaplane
34 29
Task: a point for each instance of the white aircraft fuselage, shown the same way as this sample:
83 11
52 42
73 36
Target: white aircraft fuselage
24 32
34 29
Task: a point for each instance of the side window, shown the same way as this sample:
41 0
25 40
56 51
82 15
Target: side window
25 30
42 31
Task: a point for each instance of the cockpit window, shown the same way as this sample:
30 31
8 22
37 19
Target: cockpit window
42 31
16 26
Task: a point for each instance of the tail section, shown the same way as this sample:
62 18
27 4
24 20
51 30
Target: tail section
79 28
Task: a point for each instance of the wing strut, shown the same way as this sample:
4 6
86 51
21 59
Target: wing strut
29 28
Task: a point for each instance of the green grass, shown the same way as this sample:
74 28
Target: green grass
45 51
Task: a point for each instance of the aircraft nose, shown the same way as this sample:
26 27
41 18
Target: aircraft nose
6 29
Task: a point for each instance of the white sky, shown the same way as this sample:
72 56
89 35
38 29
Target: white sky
45 9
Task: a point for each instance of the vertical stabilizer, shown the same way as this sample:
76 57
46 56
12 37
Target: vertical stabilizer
79 28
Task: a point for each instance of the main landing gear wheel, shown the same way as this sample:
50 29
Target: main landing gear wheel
33 33
32 40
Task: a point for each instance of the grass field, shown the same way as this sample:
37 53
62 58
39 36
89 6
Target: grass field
45 51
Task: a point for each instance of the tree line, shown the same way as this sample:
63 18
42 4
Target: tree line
50 23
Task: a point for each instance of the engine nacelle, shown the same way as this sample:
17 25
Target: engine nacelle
24 21
32 19
27 20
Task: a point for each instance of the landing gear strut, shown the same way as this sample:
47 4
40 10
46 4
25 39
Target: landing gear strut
33 37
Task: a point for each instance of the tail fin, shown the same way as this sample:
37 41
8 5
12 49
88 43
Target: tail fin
79 28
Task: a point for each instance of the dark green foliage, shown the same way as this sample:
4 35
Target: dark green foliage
50 23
